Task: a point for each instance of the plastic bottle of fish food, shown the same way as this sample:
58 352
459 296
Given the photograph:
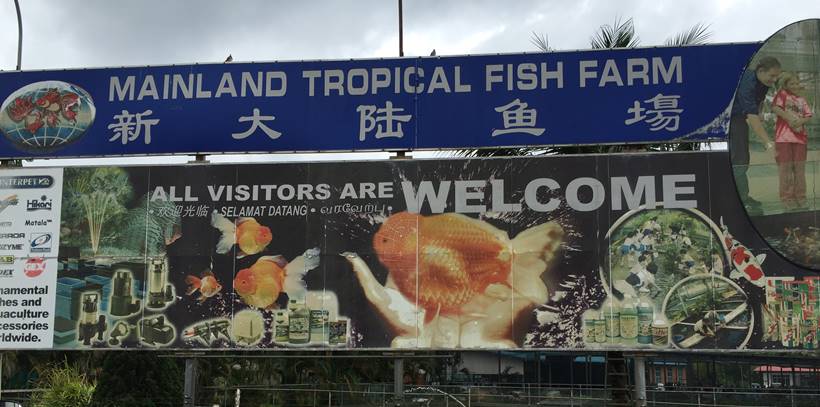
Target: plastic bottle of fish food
600 329
646 313
319 316
611 312
589 319
629 318
282 329
660 331
337 332
298 322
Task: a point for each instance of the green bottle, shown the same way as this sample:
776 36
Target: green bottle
646 313
629 318
589 319
282 328
611 312
299 322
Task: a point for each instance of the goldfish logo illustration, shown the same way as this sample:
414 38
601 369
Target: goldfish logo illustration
46 116
744 263
446 260
208 286
261 284
251 237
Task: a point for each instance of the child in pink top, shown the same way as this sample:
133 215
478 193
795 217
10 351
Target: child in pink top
791 137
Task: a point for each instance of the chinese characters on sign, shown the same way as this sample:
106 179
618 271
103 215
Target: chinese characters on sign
185 211
663 113
256 123
129 126
518 119
386 122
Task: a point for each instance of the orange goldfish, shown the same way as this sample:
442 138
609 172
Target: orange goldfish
247 233
207 285
260 284
448 259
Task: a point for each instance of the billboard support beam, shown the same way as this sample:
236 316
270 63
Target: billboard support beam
191 365
398 379
640 380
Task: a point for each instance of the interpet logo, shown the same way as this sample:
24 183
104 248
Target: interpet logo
34 267
40 242
10 200
44 203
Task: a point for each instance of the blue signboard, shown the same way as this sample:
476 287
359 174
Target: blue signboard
559 98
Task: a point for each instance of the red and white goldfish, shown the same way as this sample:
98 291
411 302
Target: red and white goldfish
261 284
208 286
251 237
446 260
744 263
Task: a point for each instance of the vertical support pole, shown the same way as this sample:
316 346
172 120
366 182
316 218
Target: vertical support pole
19 36
640 380
398 379
401 29
191 374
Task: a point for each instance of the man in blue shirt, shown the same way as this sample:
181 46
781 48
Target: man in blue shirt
751 91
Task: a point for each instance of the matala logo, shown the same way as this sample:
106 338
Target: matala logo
44 203
10 200
40 242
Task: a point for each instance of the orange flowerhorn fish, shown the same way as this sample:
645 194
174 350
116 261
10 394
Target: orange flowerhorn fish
247 233
260 284
208 285
450 258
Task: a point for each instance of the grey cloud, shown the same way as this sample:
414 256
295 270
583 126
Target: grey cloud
61 34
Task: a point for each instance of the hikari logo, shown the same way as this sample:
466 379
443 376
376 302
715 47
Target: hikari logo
44 203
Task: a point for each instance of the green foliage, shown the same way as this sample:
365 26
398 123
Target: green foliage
150 226
698 34
541 41
621 34
64 386
138 379
92 197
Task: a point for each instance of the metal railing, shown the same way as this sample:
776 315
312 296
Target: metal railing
381 395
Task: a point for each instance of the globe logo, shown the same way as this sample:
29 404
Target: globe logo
45 116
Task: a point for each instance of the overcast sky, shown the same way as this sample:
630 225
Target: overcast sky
96 33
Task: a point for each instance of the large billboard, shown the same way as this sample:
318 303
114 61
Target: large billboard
557 98
633 251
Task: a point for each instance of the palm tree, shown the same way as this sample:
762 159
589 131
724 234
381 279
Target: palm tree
621 34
